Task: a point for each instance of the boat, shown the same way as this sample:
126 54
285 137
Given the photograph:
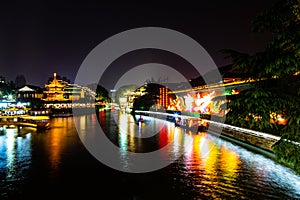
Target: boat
191 123
40 122
140 120
13 117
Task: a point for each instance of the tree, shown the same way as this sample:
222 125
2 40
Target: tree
101 93
277 91
146 101
20 81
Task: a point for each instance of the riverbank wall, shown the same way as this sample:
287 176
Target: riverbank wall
261 140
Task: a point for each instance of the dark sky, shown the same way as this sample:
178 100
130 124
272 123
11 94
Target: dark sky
38 39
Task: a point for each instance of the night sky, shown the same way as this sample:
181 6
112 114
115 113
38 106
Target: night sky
39 39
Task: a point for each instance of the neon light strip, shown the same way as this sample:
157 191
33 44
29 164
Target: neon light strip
248 131
235 128
214 86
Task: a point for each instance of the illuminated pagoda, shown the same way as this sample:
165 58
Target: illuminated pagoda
55 90
61 94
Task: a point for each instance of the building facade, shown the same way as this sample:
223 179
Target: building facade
29 94
60 94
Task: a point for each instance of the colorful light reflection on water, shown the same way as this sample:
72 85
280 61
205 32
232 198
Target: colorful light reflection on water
56 163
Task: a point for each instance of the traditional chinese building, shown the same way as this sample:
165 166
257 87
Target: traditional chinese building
59 90
60 94
29 93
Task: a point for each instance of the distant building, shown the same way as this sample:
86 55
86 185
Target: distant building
126 102
163 97
29 93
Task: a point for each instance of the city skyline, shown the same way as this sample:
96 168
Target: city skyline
43 38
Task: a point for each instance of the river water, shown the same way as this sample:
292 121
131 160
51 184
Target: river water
55 164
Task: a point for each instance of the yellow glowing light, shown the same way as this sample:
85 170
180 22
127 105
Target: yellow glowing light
235 91
229 162
278 119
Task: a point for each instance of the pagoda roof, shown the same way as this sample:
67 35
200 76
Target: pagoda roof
26 89
55 83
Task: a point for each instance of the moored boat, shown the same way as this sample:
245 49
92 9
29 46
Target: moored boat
192 123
